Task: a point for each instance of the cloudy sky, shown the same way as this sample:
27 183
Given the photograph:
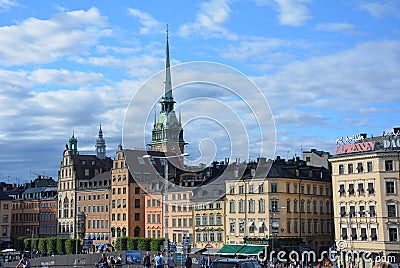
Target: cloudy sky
326 69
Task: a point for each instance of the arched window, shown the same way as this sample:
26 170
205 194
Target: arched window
211 219
204 220
66 207
136 232
59 208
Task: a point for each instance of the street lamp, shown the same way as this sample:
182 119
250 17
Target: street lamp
274 227
32 232
165 162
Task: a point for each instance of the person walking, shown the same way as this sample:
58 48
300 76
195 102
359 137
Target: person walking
159 261
147 260
171 261
208 261
188 261
24 262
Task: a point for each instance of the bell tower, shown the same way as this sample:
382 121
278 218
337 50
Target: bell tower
167 133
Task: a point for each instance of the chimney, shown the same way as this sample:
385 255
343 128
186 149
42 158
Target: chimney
364 135
396 130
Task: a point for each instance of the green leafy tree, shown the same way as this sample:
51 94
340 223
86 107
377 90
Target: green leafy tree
156 244
27 244
36 244
132 243
60 245
42 246
144 244
52 245
69 246
19 244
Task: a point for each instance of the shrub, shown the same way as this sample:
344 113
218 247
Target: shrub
132 243
156 244
52 245
42 245
144 244
60 245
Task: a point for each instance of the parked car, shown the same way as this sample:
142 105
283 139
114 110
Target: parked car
235 263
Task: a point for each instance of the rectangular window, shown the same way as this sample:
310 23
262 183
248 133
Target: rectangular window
274 187
308 188
341 169
241 189
287 187
342 191
363 234
251 189
261 188
391 210
360 167
369 166
232 190
344 233
390 187
360 188
372 212
321 190
374 237
288 226
351 189
353 233
389 165
350 168
371 189
137 203
288 209
393 234
274 205
296 226
314 189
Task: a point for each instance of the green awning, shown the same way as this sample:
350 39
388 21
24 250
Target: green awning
229 249
251 250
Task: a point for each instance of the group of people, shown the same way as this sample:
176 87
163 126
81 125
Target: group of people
158 261
109 262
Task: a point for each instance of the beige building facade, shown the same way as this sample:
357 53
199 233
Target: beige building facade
291 206
366 177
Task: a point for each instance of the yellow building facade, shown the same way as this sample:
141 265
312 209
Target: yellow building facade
289 207
366 177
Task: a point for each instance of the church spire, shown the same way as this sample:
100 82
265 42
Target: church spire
100 145
167 104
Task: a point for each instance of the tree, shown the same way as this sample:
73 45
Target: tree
156 244
70 246
19 243
42 245
52 245
60 245
144 244
132 243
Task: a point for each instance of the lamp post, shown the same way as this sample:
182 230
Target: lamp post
274 228
165 162
32 233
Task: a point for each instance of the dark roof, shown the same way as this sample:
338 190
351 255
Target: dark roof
4 196
79 168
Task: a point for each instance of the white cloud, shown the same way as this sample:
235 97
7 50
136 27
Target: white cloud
345 28
7 4
36 41
378 9
148 23
292 12
210 21
64 77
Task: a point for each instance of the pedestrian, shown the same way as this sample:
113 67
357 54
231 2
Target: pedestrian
171 261
147 260
24 262
202 262
159 261
118 260
188 261
208 261
102 263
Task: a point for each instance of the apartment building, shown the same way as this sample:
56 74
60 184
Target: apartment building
5 216
283 204
93 199
366 173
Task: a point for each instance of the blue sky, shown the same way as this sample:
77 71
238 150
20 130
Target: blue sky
327 69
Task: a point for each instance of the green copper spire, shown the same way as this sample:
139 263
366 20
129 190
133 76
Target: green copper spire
167 104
